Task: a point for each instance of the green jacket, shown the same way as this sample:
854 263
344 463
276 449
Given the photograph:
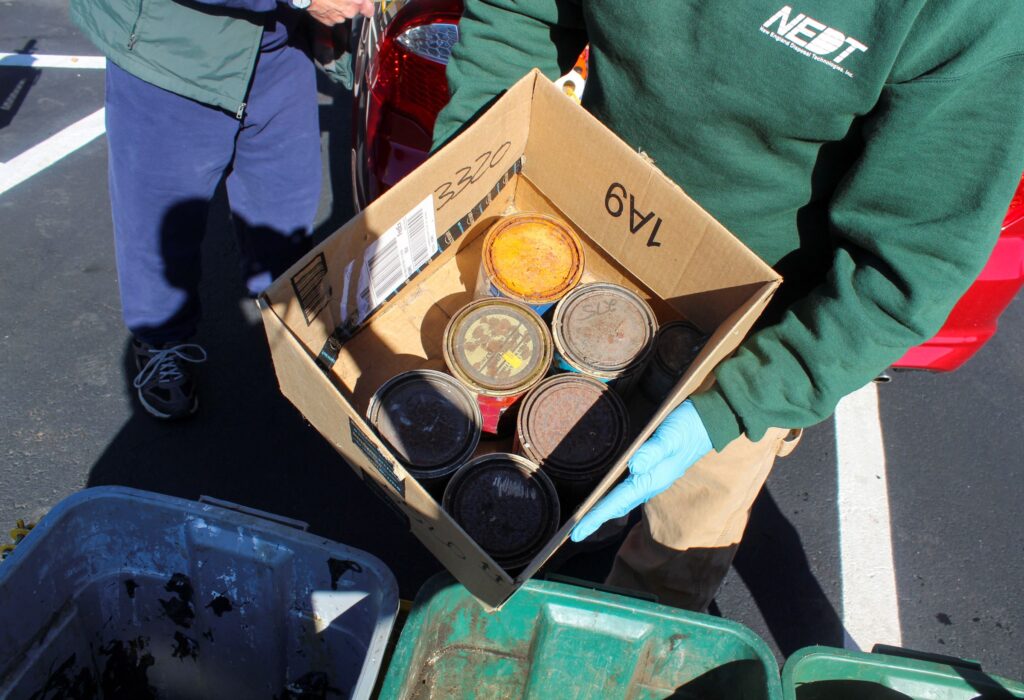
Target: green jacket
867 150
203 52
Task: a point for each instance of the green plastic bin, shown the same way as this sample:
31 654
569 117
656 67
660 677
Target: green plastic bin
823 673
553 640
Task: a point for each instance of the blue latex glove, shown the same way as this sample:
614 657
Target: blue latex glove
675 446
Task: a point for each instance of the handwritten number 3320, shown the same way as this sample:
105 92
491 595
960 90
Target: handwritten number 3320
470 174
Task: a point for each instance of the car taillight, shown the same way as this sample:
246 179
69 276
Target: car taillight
407 88
433 42
411 80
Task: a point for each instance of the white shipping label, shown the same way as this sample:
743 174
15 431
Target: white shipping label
394 257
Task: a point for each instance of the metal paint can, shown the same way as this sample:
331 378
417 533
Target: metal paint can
429 420
531 258
499 349
677 345
574 427
604 331
506 504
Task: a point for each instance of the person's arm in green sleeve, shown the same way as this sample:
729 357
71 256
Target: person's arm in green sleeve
912 224
500 41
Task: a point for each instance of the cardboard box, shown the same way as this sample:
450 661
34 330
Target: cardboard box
373 299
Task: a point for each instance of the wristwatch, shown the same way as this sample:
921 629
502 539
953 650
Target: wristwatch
300 4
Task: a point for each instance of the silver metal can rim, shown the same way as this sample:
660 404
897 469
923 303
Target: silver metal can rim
572 359
455 368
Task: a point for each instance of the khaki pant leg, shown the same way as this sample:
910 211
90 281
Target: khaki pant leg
683 547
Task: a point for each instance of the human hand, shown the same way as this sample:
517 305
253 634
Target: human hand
331 12
675 446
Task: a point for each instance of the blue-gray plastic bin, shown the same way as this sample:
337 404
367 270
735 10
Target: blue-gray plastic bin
119 593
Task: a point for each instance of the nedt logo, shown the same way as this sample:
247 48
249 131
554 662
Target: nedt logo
811 38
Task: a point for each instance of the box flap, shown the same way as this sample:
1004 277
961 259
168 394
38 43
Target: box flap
635 213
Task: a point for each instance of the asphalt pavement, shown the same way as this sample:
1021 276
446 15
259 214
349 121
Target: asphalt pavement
954 462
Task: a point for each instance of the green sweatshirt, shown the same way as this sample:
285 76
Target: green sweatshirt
866 150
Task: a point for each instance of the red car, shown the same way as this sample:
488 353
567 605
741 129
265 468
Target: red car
400 87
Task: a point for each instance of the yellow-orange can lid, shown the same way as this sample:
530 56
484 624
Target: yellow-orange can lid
533 258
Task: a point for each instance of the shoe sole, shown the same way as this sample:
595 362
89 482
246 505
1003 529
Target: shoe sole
156 413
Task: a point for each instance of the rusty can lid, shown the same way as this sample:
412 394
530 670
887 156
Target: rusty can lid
604 329
573 426
428 419
533 258
506 504
497 346
677 345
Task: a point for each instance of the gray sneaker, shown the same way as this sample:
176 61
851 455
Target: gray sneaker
166 380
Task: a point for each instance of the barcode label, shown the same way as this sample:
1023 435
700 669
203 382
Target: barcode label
309 287
385 270
394 257
422 243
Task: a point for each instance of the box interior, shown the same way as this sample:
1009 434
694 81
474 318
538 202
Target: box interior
412 326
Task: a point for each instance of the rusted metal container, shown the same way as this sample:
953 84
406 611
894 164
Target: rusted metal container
574 427
604 331
677 345
531 258
499 349
429 420
506 504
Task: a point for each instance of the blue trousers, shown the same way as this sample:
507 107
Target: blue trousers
167 157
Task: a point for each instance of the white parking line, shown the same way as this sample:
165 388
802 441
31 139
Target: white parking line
45 154
31 60
870 605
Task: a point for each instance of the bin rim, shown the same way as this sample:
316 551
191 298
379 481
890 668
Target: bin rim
792 668
436 584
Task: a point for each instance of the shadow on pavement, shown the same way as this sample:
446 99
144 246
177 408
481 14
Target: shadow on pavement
248 444
773 564
15 83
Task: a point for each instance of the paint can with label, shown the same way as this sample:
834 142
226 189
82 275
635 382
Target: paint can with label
531 258
506 504
499 349
430 421
605 331
677 345
574 427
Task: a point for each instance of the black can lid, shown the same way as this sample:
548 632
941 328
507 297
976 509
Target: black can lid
428 419
574 426
506 504
677 345
604 327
